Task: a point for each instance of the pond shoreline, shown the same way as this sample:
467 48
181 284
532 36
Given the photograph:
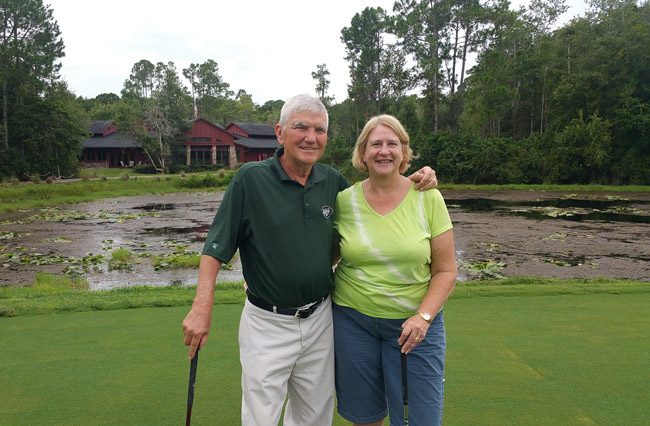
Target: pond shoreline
498 233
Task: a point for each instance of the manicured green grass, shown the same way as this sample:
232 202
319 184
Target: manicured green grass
518 353
548 360
60 293
125 367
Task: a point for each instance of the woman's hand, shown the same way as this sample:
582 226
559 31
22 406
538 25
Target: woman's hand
414 330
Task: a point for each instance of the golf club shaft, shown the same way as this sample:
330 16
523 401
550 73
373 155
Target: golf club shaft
190 390
405 388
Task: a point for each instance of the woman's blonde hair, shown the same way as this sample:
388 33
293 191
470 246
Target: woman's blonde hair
393 124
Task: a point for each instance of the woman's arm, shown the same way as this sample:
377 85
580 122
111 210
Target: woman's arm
443 280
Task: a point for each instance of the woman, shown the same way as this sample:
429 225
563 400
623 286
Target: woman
397 269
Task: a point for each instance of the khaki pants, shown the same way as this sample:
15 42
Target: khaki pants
283 356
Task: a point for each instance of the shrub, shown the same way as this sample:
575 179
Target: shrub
145 169
205 181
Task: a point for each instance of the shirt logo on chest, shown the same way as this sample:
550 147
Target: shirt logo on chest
327 211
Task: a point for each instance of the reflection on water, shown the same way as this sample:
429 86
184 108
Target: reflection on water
144 274
199 232
156 207
619 210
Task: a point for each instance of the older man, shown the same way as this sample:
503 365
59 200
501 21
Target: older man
278 212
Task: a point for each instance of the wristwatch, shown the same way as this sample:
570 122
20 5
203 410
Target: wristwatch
425 316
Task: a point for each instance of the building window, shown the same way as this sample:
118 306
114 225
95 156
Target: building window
201 139
201 155
222 154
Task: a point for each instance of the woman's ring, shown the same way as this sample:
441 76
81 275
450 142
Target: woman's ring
417 339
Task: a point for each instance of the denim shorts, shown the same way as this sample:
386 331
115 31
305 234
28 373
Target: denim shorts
368 372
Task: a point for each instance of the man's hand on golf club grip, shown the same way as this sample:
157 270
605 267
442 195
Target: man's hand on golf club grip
196 328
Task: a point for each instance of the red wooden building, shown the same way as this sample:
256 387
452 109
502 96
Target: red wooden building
205 143
209 143
255 141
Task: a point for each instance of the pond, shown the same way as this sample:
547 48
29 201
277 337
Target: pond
498 233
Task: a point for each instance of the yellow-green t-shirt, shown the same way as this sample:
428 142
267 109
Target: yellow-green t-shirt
385 263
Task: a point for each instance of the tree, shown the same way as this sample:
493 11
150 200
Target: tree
56 130
269 112
581 151
210 82
211 90
364 45
397 78
322 83
140 82
190 73
107 98
158 135
421 24
30 45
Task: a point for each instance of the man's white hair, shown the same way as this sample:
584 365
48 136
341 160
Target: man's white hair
302 102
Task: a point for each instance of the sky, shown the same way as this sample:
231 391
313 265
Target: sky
267 48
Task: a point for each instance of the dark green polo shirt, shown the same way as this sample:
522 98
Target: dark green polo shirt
282 229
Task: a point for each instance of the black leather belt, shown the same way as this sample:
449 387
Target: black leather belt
294 312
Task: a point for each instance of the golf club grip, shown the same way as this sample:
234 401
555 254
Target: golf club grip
190 390
405 389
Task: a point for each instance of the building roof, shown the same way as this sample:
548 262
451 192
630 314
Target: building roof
265 143
256 129
99 127
114 140
218 126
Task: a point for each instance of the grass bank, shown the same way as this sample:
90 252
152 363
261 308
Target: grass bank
547 187
577 355
57 294
29 196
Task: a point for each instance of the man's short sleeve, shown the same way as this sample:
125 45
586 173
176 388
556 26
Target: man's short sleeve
224 235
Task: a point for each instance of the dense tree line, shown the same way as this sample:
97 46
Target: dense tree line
542 103
488 94
42 124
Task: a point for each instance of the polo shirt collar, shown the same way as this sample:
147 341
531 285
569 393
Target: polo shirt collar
315 176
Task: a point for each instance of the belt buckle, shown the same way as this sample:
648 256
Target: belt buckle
303 313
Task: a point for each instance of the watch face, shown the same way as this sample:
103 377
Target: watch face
425 316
